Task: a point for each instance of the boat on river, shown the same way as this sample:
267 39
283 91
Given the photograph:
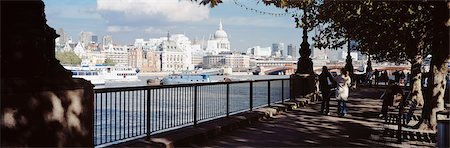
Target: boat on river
101 74
185 79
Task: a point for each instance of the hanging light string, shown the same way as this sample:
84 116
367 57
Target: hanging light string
287 13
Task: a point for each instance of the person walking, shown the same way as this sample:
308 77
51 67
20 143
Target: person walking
369 77
325 83
377 76
402 78
343 83
407 79
385 77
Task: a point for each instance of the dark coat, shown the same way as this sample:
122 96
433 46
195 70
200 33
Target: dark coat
323 81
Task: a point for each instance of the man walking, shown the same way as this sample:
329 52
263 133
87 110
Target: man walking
325 82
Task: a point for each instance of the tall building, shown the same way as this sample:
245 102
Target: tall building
85 38
318 54
292 51
219 42
259 51
107 39
278 49
94 39
63 36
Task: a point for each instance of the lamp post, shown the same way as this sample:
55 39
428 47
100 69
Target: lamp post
304 64
369 64
348 61
303 82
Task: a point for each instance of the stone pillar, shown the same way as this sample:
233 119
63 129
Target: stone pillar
41 104
303 81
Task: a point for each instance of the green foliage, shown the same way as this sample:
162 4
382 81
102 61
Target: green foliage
68 58
393 31
109 62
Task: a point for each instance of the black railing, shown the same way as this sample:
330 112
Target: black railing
127 113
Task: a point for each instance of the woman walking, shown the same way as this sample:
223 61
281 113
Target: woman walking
343 83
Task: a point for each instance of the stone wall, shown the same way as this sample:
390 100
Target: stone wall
41 105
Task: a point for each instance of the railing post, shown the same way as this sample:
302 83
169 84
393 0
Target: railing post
282 91
251 96
195 104
228 99
268 93
148 113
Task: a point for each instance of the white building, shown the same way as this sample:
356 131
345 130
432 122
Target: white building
259 51
352 53
79 50
236 61
173 58
118 54
318 54
219 43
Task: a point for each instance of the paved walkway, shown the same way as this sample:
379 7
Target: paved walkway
305 127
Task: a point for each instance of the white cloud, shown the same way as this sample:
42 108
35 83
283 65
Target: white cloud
119 29
171 10
153 30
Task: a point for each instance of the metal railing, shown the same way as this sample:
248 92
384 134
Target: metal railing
127 113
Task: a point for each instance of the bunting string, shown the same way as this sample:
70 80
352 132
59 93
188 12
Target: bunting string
287 13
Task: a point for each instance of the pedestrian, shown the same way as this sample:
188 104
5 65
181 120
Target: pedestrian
385 77
408 79
343 83
396 76
377 76
369 77
392 96
326 81
402 78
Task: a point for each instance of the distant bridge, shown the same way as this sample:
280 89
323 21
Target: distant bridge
287 70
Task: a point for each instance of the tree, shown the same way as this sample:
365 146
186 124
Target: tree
389 31
109 62
394 31
439 63
68 58
397 31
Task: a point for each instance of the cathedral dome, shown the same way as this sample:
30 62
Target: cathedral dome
220 33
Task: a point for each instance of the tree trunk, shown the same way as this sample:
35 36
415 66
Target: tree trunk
434 101
416 78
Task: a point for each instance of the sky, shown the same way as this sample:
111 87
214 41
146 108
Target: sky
127 20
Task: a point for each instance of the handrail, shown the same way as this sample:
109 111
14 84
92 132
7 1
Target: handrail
126 113
99 90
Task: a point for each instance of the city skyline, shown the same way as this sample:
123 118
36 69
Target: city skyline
119 19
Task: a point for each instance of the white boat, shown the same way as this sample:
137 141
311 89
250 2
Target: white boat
185 79
111 73
107 73
90 75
